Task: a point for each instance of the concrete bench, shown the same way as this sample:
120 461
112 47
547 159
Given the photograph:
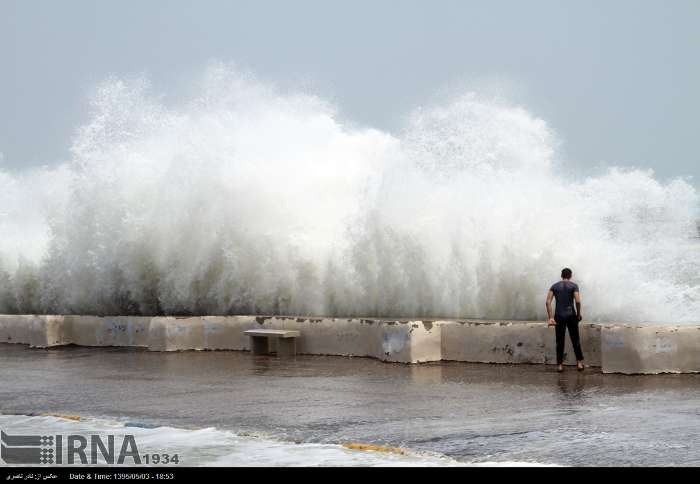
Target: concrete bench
286 341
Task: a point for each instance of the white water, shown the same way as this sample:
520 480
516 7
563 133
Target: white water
212 447
247 200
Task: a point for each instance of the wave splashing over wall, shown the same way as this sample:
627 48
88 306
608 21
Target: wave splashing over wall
248 200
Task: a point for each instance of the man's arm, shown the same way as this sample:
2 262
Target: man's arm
548 305
577 298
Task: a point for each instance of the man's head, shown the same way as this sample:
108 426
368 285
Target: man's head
566 273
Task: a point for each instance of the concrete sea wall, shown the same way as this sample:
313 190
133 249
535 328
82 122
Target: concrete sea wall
614 348
405 341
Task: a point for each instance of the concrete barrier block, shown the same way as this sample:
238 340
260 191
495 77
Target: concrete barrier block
56 332
227 332
396 341
83 330
173 334
127 330
426 341
590 344
494 341
36 331
635 349
15 328
333 336
329 336
107 331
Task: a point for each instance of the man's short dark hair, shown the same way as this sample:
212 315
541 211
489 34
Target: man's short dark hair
566 273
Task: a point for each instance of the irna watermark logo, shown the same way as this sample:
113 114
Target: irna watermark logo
77 449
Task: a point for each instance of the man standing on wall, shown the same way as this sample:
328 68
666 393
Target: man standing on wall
566 293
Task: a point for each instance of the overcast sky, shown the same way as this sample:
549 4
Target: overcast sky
619 81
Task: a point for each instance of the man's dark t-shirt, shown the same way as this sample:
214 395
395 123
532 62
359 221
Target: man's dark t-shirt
564 295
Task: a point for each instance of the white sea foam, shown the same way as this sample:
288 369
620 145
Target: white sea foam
213 447
247 200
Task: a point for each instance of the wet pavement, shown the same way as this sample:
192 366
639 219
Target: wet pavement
471 412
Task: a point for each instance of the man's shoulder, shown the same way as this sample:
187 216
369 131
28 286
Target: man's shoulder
564 284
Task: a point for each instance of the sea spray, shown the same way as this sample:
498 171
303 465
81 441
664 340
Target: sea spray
246 200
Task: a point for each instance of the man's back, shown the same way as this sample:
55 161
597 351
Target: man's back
564 295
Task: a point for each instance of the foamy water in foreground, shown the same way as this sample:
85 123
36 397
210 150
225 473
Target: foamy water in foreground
212 447
247 200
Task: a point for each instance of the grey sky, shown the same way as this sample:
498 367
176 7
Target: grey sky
617 80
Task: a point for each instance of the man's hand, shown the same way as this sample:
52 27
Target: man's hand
577 298
548 306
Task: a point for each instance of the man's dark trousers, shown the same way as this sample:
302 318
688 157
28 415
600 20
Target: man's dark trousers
571 323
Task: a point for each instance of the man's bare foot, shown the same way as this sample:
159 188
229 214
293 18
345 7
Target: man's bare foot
579 365
560 368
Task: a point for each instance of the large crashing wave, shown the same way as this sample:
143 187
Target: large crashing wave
247 200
